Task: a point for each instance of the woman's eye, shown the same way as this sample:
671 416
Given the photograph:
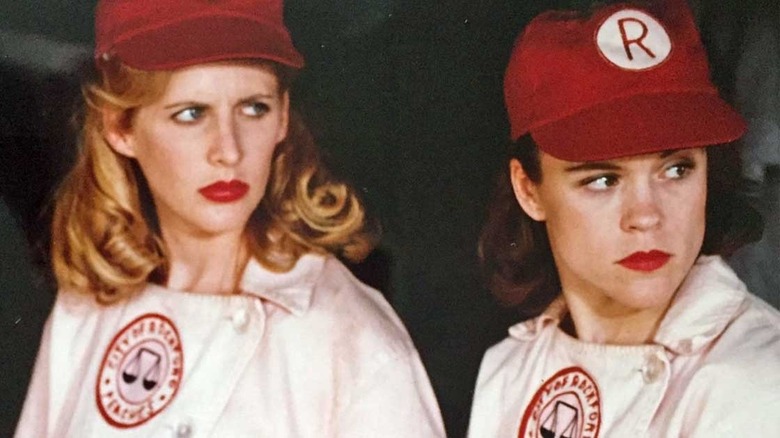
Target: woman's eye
255 109
601 182
678 171
188 115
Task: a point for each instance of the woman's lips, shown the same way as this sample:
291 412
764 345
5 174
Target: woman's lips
645 261
225 191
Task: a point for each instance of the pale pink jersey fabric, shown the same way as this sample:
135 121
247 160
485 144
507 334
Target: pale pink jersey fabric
308 353
713 370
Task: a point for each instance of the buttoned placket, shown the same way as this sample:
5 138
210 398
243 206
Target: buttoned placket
240 319
246 319
655 373
182 428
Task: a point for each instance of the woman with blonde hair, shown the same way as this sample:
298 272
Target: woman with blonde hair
607 230
193 245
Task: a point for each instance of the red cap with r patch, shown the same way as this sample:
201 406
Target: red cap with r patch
623 81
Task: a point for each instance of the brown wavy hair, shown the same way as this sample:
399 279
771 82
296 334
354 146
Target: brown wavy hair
514 250
105 236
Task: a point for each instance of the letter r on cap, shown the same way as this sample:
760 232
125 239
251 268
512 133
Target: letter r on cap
627 42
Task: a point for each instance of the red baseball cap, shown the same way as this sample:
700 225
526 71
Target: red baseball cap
169 34
622 81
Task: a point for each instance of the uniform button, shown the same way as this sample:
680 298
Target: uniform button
183 430
653 369
240 319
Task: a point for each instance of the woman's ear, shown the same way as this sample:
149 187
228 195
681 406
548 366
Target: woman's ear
526 191
116 133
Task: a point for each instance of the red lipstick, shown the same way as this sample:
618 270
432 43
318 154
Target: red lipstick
225 191
645 261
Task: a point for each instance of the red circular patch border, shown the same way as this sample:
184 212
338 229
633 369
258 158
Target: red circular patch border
179 348
540 392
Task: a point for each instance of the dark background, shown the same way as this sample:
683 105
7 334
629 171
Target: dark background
405 99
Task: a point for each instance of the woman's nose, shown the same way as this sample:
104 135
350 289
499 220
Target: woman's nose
642 209
226 148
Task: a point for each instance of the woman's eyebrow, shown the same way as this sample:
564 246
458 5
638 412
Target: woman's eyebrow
609 165
187 103
248 99
258 96
593 165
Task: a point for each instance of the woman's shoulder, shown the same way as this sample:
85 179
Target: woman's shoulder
354 312
733 390
529 338
752 335
73 303
763 315
750 322
735 327
742 364
337 285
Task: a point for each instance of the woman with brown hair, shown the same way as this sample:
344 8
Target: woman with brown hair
606 230
192 245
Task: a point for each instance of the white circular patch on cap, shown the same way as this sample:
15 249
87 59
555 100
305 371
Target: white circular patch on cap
633 40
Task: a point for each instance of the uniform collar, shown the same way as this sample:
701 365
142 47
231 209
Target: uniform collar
291 290
531 328
709 298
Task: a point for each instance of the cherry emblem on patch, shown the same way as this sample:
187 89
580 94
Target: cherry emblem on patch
140 372
567 405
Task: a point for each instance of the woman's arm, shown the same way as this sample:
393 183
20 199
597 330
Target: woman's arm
394 401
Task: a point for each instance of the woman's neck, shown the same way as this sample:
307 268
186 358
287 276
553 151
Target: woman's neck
608 322
208 265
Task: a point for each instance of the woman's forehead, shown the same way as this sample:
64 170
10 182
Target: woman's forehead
621 161
221 78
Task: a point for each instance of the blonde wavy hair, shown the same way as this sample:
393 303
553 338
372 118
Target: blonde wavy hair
105 237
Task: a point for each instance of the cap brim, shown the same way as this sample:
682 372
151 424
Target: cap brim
207 39
641 124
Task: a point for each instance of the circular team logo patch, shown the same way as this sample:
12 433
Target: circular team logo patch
567 405
633 40
140 371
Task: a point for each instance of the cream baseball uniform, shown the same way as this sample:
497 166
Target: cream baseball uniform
307 353
713 370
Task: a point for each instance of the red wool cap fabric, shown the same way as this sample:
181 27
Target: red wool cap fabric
622 81
169 34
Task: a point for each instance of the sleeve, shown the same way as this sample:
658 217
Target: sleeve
395 401
34 421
